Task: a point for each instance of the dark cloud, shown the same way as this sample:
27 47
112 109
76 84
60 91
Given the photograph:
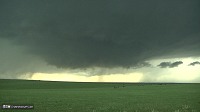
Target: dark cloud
114 33
169 64
175 64
15 62
194 63
164 64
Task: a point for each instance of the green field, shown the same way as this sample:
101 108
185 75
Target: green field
100 97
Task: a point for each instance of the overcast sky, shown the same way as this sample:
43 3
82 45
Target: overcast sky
90 40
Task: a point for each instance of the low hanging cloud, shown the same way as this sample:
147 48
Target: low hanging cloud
164 64
16 62
194 63
104 34
169 64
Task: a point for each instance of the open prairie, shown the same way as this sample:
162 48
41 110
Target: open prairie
100 97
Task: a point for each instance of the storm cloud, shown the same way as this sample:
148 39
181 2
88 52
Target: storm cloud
16 62
169 64
84 34
194 63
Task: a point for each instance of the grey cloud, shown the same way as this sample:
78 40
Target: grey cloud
114 33
16 62
194 63
164 64
169 64
175 64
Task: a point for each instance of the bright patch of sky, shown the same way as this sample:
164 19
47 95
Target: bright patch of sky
182 73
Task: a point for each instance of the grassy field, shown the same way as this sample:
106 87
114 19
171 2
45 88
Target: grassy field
100 97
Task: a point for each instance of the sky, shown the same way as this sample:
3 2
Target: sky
100 40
